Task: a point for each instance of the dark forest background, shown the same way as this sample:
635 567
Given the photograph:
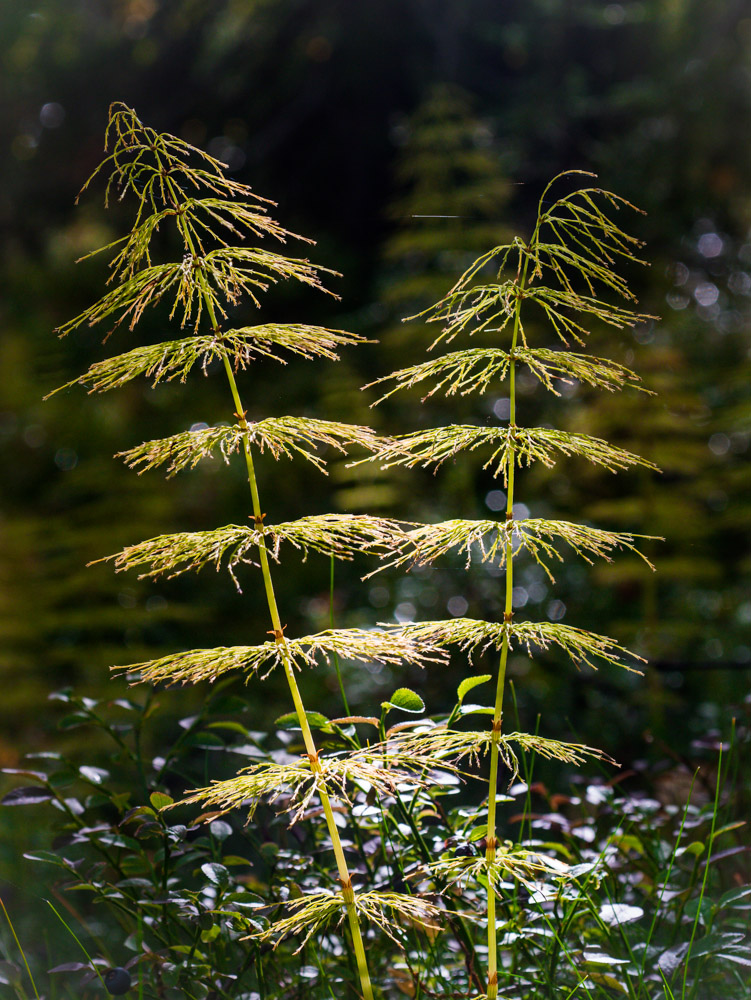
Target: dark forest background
405 137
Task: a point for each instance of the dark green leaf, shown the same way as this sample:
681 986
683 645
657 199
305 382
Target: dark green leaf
48 856
216 874
315 721
26 796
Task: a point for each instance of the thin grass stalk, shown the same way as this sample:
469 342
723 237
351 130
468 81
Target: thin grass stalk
278 632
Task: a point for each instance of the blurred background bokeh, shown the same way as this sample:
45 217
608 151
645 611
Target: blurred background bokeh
405 137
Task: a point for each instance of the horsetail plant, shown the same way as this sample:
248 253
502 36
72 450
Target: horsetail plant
565 273
175 184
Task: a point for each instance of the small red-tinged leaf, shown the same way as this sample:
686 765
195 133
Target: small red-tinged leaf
26 796
347 720
70 967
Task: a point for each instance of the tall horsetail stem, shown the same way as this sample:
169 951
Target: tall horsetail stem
561 272
158 169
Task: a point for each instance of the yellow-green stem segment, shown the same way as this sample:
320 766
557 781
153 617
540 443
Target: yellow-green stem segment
278 632
490 851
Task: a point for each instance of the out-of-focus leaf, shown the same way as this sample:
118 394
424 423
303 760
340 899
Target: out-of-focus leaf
732 896
220 829
669 960
10 974
36 775
315 721
216 874
48 856
29 796
96 775
620 913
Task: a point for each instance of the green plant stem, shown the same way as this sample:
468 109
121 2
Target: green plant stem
18 945
491 839
278 632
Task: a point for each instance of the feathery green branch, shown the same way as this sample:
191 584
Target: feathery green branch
488 539
176 358
195 665
475 369
520 863
453 746
298 781
340 535
516 445
312 912
228 273
470 635
280 435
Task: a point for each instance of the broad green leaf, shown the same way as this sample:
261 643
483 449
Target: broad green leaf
215 873
695 847
315 720
159 800
406 700
471 682
476 710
